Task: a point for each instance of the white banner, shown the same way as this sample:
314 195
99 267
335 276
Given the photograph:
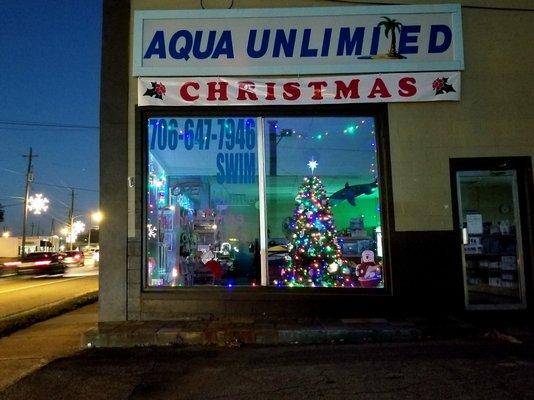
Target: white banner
248 91
298 41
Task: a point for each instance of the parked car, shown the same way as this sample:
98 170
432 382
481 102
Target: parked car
96 256
74 258
42 262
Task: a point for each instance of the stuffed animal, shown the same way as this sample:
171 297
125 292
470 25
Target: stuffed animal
369 272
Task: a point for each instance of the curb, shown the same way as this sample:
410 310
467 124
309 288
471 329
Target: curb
24 319
225 334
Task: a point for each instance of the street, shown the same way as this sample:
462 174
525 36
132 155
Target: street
477 368
19 294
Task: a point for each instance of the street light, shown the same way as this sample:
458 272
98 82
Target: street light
95 217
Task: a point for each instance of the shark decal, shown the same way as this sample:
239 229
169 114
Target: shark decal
350 193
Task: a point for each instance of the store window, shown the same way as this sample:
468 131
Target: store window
208 181
202 199
323 202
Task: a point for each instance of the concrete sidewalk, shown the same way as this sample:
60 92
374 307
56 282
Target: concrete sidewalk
29 349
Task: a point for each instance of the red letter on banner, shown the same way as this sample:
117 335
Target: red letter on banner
379 88
291 91
221 90
317 89
269 95
350 91
184 92
246 88
407 87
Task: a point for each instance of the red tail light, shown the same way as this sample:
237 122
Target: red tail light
77 257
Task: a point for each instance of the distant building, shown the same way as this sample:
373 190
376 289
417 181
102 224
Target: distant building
11 246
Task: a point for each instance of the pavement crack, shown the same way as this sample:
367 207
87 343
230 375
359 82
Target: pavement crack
143 389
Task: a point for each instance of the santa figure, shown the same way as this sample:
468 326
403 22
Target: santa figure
369 272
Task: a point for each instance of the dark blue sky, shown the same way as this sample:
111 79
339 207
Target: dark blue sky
50 85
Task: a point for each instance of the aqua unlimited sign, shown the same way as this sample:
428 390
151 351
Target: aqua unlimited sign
362 42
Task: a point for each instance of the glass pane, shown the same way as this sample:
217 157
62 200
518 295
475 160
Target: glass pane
491 227
323 202
202 202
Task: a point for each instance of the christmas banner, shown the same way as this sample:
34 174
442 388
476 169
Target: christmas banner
248 91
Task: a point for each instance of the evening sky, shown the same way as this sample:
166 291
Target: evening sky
50 85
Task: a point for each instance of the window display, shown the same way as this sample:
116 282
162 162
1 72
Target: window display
202 201
322 202
317 238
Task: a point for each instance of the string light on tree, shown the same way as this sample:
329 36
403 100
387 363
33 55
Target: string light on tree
314 258
37 204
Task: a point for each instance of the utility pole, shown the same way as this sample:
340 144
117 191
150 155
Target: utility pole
29 178
71 217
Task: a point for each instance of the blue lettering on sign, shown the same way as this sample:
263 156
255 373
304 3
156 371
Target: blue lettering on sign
305 50
236 168
156 46
375 41
408 35
277 43
350 44
326 42
435 31
251 49
235 139
287 43
197 52
224 46
183 52
183 42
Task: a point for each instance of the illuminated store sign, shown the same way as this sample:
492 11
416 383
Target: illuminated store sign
298 41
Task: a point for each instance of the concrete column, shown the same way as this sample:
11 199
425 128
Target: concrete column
114 160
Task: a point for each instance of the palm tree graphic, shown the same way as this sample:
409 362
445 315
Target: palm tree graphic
391 25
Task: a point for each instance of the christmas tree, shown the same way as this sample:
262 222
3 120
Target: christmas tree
315 256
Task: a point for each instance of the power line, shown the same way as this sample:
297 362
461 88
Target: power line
14 204
13 171
66 187
48 124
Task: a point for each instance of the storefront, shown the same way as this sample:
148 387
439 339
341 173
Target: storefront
309 161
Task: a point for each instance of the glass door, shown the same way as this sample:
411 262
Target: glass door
493 265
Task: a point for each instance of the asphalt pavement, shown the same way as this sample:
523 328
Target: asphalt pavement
25 300
478 368
48 361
